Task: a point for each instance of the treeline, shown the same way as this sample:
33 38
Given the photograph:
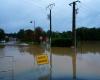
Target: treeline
88 34
58 38
30 35
38 35
2 34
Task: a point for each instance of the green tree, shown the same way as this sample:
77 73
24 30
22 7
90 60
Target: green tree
21 35
88 34
28 35
2 34
38 33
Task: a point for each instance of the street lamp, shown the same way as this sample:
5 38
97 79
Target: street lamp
34 27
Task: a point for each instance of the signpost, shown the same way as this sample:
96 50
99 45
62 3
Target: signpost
42 59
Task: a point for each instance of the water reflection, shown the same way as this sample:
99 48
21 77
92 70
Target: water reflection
2 50
89 47
2 46
22 49
33 50
62 51
64 62
74 64
44 77
66 71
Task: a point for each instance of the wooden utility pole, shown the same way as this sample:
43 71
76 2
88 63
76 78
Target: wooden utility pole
50 6
74 11
74 66
50 26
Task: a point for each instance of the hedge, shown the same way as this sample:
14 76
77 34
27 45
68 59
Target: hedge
61 42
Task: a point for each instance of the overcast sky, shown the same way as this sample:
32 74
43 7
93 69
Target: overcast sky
17 14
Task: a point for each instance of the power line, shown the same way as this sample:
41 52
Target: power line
88 8
34 4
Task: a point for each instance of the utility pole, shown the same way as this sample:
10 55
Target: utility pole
50 6
74 66
74 12
34 30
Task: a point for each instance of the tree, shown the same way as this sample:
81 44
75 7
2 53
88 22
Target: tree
28 35
2 34
88 34
20 35
38 33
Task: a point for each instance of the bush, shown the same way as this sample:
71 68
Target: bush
61 42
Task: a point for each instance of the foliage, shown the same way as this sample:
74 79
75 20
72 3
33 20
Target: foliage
88 34
39 33
2 34
25 35
30 36
63 38
62 42
20 35
58 38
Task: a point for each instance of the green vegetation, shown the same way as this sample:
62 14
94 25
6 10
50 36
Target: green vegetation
59 39
63 39
88 34
2 35
25 35
61 42
30 35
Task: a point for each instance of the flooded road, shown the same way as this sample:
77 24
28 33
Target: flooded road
19 63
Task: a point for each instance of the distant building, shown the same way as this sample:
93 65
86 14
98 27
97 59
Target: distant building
9 38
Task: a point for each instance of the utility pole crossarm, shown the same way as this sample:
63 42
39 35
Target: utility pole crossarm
50 6
74 2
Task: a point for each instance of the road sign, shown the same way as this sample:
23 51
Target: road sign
42 59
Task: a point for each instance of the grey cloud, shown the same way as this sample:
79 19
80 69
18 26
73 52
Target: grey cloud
16 14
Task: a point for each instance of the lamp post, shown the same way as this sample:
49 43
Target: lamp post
34 27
